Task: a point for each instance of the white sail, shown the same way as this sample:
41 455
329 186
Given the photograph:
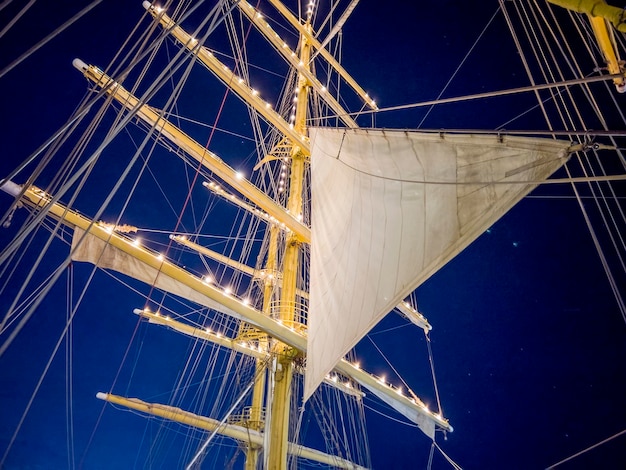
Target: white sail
390 208
93 250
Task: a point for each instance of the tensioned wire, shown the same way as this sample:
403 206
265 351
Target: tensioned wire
584 451
456 71
5 343
580 118
600 250
240 54
237 235
69 370
603 198
27 301
17 17
18 296
603 258
47 39
613 195
84 170
138 152
340 417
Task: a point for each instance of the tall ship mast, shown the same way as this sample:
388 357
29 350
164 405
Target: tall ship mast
204 269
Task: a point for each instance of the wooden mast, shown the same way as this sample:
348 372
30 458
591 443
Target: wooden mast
283 364
286 345
258 392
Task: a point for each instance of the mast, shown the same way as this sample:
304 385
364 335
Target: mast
234 431
256 343
284 354
258 392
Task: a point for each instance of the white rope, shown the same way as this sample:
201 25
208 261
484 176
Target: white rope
44 41
430 456
432 370
16 17
454 74
212 435
69 370
578 454
390 365
450 461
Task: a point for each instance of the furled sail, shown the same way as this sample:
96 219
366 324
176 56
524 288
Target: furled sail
390 208
91 249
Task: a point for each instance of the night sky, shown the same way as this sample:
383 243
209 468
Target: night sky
529 344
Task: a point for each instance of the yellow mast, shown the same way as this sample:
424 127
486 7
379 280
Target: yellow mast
37 198
599 14
609 52
258 392
283 365
234 431
287 344
597 8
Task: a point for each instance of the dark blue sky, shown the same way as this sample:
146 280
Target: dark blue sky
528 342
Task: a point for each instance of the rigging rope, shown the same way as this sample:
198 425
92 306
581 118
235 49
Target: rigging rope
17 17
450 461
48 38
432 370
578 454
490 94
69 369
592 231
390 365
430 456
456 71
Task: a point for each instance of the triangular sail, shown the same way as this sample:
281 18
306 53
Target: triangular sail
390 208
